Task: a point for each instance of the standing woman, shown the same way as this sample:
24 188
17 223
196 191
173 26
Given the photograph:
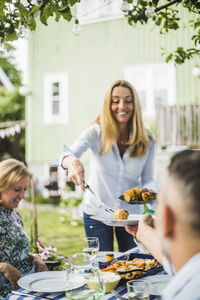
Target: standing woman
15 260
122 158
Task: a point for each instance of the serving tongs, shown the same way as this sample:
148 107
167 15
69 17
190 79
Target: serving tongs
104 206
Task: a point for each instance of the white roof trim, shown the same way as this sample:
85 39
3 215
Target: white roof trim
6 81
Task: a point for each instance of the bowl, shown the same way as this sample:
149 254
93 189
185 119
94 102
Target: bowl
52 263
110 279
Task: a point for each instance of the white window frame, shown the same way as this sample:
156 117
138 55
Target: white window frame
87 15
63 116
149 70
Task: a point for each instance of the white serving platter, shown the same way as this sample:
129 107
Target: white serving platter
132 220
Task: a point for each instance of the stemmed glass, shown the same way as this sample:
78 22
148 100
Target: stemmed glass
91 246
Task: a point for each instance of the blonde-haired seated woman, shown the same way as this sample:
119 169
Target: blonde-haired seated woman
15 260
122 157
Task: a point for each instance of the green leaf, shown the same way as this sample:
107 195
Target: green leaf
57 17
11 36
2 3
32 24
34 9
46 13
24 12
67 14
169 57
72 2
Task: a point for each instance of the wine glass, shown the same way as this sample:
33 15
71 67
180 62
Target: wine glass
84 278
91 246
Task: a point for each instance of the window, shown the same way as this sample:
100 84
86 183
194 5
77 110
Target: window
89 11
155 84
56 98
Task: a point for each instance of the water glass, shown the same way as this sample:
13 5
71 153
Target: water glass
84 279
91 246
138 290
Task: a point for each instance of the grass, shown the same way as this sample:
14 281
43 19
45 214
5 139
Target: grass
61 228
55 229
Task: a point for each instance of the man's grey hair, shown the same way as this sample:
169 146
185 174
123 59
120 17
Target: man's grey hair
185 168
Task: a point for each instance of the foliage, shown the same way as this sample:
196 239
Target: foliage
39 199
169 18
9 67
12 108
17 14
63 203
70 202
49 254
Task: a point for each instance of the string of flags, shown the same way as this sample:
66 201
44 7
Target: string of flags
12 130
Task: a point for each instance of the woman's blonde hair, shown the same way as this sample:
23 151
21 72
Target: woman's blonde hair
11 171
138 137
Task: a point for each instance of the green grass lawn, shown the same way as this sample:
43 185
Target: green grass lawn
55 229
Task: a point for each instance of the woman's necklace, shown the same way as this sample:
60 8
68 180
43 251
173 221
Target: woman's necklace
122 142
122 145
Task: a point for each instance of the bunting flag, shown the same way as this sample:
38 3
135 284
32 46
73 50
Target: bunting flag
12 130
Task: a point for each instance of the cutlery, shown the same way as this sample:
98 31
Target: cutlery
117 295
29 295
105 207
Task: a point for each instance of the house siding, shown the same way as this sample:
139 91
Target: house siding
93 61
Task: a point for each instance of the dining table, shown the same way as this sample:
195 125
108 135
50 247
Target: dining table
120 289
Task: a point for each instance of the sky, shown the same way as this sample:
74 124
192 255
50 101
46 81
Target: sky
21 57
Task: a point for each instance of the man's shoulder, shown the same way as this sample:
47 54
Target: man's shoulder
185 284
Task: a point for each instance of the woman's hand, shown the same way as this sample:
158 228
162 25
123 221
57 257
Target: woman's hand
39 263
76 172
11 273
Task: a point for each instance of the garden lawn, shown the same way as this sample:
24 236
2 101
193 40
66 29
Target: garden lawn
55 229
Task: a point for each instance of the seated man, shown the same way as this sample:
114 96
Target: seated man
175 236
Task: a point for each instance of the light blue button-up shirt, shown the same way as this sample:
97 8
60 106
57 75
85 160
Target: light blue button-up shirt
109 174
186 283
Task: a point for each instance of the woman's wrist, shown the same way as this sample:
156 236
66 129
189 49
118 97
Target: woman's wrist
68 161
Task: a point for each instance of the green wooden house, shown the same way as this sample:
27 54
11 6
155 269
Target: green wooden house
69 74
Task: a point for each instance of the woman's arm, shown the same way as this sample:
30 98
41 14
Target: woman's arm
38 262
11 273
146 234
69 160
76 172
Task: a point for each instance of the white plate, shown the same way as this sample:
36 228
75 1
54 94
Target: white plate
158 283
132 220
48 282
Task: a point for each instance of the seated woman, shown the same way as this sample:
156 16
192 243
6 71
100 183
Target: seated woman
15 260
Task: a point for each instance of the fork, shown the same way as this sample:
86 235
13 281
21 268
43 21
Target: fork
105 207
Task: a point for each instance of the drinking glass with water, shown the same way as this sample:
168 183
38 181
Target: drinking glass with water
84 279
138 290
